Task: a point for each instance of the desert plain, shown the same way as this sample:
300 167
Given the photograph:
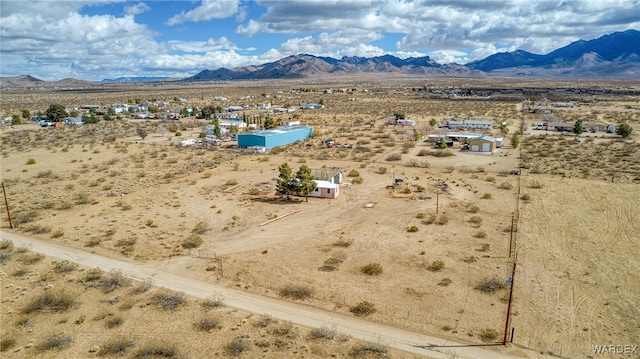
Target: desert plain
433 255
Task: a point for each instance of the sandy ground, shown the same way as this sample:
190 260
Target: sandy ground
138 200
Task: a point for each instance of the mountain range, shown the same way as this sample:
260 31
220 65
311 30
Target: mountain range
614 56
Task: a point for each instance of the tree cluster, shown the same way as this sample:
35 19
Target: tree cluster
302 184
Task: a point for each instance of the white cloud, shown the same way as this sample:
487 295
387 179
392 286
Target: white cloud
136 9
209 9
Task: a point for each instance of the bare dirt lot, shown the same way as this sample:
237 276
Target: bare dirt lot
428 250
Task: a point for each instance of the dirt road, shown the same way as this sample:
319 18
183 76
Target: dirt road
410 342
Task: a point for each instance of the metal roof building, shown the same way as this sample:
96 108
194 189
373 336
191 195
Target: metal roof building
275 137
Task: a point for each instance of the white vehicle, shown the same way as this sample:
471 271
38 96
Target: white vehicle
187 143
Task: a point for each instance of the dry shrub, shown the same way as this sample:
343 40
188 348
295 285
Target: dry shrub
343 242
324 332
158 350
212 302
117 346
113 322
31 258
207 324
505 185
490 285
237 347
294 291
55 341
445 282
372 269
7 342
64 266
488 335
436 266
113 281
394 157
168 299
368 350
192 241
363 309
476 220
412 229
473 209
201 228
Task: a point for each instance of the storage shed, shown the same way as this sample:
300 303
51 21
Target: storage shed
482 144
275 137
326 189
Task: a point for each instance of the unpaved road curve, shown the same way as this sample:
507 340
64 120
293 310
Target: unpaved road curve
410 342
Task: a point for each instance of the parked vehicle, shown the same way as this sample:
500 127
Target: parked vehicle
611 128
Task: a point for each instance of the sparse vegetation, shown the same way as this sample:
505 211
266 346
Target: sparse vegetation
363 309
436 266
55 341
490 285
117 346
370 349
296 291
158 350
372 269
488 335
168 299
192 241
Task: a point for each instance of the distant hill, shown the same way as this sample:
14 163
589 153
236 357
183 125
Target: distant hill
614 55
135 79
301 66
21 81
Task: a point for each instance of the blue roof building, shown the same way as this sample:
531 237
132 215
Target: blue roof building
275 137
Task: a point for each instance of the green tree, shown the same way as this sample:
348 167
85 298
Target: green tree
184 112
416 135
107 117
433 122
56 112
270 122
399 115
515 140
305 182
624 130
90 118
74 113
504 130
206 112
577 128
16 120
233 129
284 185
442 143
26 114
111 111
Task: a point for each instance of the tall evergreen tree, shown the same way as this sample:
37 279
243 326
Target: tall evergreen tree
305 182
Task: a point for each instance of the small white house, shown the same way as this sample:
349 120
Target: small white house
326 189
290 123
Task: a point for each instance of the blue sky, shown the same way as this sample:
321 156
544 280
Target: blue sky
93 40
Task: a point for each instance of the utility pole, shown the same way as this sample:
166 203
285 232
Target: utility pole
6 203
506 324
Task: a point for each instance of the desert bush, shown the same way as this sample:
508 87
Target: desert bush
343 242
420 215
382 170
30 216
363 309
525 197
231 182
54 301
484 247
201 228
486 195
436 266
394 157
254 191
207 324
212 302
37 229
113 281
6 244
5 255
412 229
192 241
490 179
480 234
535 184
488 335
490 285
55 341
31 161
372 269
117 346
324 332
353 173
423 152
473 209
357 180
442 153
368 350
169 299
143 286
158 350
470 259
505 185
477 220
57 233
7 341
296 291
93 275
64 266
113 322
237 347
82 198
445 282
442 219
31 258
